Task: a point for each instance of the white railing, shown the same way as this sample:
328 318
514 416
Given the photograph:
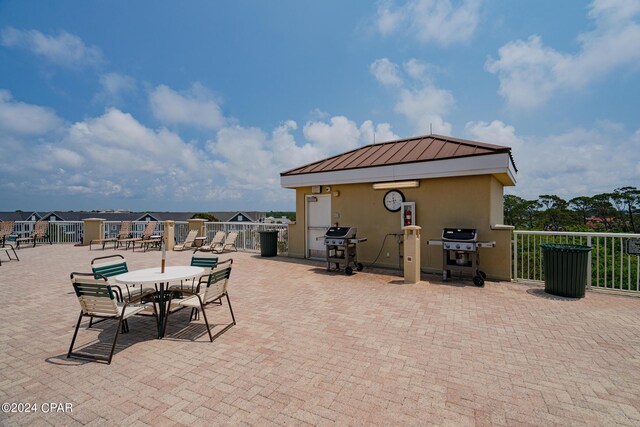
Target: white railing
180 231
248 236
611 267
58 231
112 228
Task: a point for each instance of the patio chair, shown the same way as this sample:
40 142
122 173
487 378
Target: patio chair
212 289
188 242
230 242
6 229
215 244
112 265
124 235
207 262
40 231
97 300
148 238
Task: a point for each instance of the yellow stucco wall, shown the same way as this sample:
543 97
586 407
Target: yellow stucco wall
464 202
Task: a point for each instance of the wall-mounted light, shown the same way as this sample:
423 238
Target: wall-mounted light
395 184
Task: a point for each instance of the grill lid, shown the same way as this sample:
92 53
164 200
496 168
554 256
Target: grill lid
460 234
341 232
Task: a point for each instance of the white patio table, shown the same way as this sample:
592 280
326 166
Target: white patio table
153 276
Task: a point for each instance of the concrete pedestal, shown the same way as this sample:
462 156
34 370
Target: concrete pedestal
169 234
411 254
93 230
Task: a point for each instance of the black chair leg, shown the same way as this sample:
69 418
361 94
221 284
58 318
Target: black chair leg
206 322
230 309
75 334
113 346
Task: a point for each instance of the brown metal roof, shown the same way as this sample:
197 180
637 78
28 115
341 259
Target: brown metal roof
409 150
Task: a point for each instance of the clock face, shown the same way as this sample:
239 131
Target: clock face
392 200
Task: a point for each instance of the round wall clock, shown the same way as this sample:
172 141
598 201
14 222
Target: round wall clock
393 200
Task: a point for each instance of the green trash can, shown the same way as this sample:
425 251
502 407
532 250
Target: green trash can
268 243
565 269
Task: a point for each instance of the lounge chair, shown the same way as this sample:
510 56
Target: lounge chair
216 243
148 238
40 231
230 242
211 290
104 242
97 300
124 235
188 242
6 229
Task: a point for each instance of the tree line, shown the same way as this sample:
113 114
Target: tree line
618 211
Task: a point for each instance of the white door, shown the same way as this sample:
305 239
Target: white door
318 221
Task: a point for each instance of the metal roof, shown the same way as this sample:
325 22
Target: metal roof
410 150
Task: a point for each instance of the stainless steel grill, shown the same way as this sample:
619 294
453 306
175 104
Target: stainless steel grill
460 253
341 247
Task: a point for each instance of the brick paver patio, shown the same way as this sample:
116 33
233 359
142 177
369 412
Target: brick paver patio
319 348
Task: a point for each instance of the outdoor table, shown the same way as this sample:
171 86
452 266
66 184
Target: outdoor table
199 241
150 276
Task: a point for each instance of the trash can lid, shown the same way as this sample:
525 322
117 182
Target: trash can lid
565 247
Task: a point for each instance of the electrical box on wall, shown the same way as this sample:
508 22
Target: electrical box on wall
316 189
408 214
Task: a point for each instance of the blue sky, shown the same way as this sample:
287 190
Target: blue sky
198 106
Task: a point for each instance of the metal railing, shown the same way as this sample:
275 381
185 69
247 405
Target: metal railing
58 231
611 267
112 228
248 236
180 231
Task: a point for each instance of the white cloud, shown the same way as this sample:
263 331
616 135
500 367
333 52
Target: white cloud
578 162
530 73
110 155
425 108
113 157
417 69
340 134
418 99
25 119
251 160
196 107
63 49
386 72
114 86
495 132
436 21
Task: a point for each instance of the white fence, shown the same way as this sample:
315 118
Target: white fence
58 231
610 265
248 233
112 228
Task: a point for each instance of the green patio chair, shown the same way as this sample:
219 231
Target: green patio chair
212 290
98 300
112 265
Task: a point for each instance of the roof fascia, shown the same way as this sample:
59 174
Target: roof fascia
491 164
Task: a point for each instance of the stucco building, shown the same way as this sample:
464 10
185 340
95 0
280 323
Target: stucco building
453 182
